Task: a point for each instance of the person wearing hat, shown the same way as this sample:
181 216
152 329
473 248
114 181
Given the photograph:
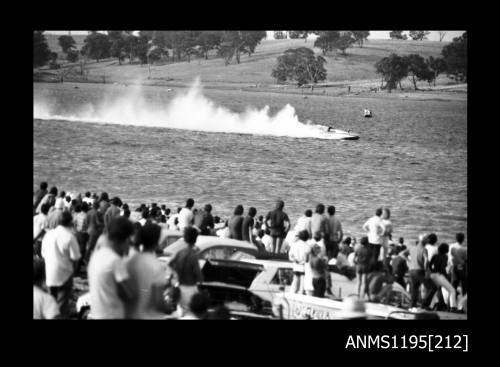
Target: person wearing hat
55 214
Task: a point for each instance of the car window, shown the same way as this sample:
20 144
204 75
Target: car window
283 276
224 253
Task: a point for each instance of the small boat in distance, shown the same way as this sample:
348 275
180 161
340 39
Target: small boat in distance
341 134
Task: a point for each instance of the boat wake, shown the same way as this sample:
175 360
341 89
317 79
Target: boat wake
188 111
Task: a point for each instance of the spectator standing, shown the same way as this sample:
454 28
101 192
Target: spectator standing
334 233
417 266
319 221
149 277
362 259
55 213
80 221
374 229
205 221
39 195
278 223
95 227
236 223
298 254
40 225
112 212
61 252
109 281
186 215
247 225
187 269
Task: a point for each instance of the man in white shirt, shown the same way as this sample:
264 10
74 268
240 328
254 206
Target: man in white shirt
298 255
186 215
61 252
304 223
374 229
44 305
109 281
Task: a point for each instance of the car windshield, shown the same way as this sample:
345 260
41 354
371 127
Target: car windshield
175 247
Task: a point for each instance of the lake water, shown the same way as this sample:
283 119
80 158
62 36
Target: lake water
412 157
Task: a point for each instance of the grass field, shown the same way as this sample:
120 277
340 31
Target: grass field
355 67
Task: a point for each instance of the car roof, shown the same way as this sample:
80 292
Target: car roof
205 242
270 263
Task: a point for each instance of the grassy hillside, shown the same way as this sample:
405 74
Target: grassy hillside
357 65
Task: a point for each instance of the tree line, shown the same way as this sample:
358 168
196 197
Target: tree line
302 66
151 46
453 63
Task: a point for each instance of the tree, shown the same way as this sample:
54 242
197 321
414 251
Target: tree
455 57
418 69
436 66
441 35
326 40
66 42
97 46
392 68
209 40
41 51
250 40
419 35
398 35
233 43
72 55
53 61
360 36
343 42
301 65
118 45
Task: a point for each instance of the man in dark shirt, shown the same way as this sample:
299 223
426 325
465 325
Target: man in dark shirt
379 284
205 221
235 223
186 267
95 226
112 212
247 225
278 223
39 195
400 267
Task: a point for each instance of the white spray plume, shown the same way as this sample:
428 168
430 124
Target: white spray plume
190 111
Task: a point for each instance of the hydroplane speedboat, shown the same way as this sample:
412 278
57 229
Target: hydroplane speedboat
341 134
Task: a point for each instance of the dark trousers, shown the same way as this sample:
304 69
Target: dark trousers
82 239
417 278
375 251
93 237
319 285
460 278
332 249
62 294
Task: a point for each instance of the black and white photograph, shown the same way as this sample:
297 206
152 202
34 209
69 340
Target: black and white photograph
250 175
